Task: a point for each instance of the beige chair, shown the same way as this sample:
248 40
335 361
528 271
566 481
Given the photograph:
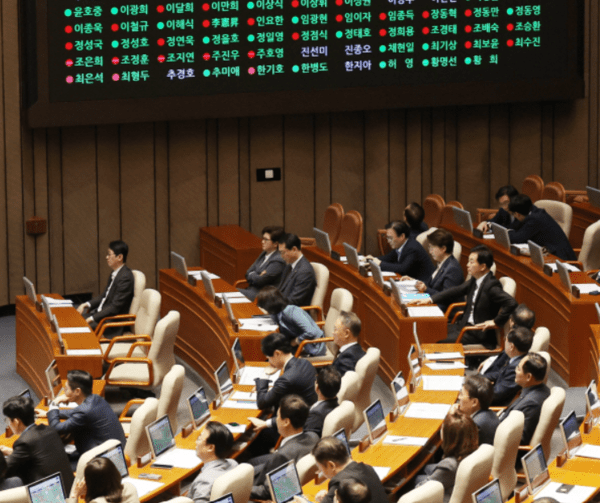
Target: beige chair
546 356
457 252
147 372
87 456
506 446
180 499
366 369
16 495
541 340
562 213
509 285
349 388
472 474
422 240
589 256
137 442
533 186
351 230
237 481
429 492
170 394
322 277
307 468
340 417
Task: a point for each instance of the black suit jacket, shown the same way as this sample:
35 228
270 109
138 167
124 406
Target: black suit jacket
449 275
363 473
346 361
530 404
119 297
37 453
502 374
543 230
487 422
298 378
415 232
414 261
318 413
298 285
274 268
504 218
492 302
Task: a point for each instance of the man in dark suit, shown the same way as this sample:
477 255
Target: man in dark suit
413 216
298 281
408 257
474 400
116 299
487 303
502 216
92 422
269 265
295 444
346 333
327 387
539 227
39 451
530 375
334 462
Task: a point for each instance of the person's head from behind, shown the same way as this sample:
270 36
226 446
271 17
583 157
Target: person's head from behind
504 195
271 300
460 436
290 248
291 415
414 215
441 244
351 490
531 370
476 394
328 382
520 206
331 456
522 316
480 261
20 413
117 254
397 233
271 234
215 442
518 341
102 479
79 385
346 329
276 347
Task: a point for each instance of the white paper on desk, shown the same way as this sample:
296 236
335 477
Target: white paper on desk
381 471
58 301
143 486
425 311
179 458
488 236
570 267
231 295
249 374
522 247
243 395
578 494
260 325
446 366
74 330
450 355
385 274
231 404
423 410
238 300
198 274
442 383
68 405
587 287
240 428
84 352
588 451
400 440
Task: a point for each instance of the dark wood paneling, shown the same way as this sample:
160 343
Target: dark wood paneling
228 169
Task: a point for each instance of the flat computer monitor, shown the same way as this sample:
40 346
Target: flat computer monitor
228 309
536 253
351 255
30 290
489 493
284 483
592 402
199 407
117 456
598 311
536 469
47 310
462 218
414 366
238 357
53 379
501 235
58 333
160 436
208 286
569 431
564 276
341 435
322 240
228 498
179 264
400 391
49 489
223 380
396 293
593 196
417 341
377 276
375 420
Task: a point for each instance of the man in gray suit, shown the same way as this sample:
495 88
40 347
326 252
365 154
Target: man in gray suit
474 400
298 281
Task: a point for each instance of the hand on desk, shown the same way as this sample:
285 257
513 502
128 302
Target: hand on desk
485 325
320 495
406 278
40 413
371 257
82 307
257 424
484 226
7 451
421 287
422 302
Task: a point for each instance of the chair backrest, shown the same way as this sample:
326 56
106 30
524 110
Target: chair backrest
589 256
549 417
533 186
139 284
447 215
340 417
137 443
366 368
170 393
430 492
509 285
555 191
561 212
548 358
322 276
506 445
341 300
307 468
352 229
422 240
433 206
349 387
472 474
457 252
237 481
382 242
162 349
456 204
541 340
16 495
148 312
87 456
332 221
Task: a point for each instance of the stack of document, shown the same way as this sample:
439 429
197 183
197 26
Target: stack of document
588 451
249 374
198 275
385 274
450 355
143 487
241 400
522 247
425 312
408 286
74 330
442 383
234 297
59 302
361 259
569 267
400 440
422 410
587 288
258 324
446 366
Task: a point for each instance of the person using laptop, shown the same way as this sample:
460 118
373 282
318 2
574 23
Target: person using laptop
539 227
268 267
408 257
334 462
352 491
102 484
413 216
298 280
327 387
213 446
39 451
346 333
502 217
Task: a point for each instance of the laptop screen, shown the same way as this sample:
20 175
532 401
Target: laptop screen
236 350
341 435
563 273
598 311
396 293
198 406
536 469
501 235
160 435
569 429
179 264
208 286
399 389
228 498
228 309
489 493
285 483
47 310
375 416
29 290
593 196
116 455
223 379
377 276
462 218
351 255
537 253
417 341
322 240
48 490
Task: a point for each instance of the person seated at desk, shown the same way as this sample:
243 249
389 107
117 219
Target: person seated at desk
474 401
269 265
346 333
293 321
39 451
213 446
334 462
7 482
351 491
408 257
327 387
539 227
118 295
295 444
502 217
488 305
459 439
91 423
102 484
413 216
298 281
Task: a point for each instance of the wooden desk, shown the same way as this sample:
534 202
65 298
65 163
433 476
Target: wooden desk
37 344
228 251
584 215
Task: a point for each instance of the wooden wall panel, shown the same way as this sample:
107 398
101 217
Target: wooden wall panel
55 212
525 141
42 252
499 149
322 143
161 188
228 172
397 184
413 187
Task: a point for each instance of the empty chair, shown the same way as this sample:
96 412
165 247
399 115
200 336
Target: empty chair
549 417
509 285
562 213
555 191
506 446
237 481
307 468
16 495
541 340
352 229
322 277
332 224
170 393
589 256
87 456
472 474
366 369
349 388
137 442
433 206
340 417
430 492
533 186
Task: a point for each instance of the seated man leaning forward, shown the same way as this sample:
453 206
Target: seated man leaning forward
502 217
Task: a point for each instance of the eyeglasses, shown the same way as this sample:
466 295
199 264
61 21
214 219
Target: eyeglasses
265 239
389 239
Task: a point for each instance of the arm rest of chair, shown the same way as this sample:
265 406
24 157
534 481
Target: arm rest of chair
100 332
123 417
319 310
592 272
485 214
241 283
320 324
136 359
123 338
109 319
308 241
311 341
451 307
469 329
525 448
139 344
497 410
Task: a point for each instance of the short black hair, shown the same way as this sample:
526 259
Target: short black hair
275 231
506 190
329 381
442 238
414 215
330 449
522 316
294 408
290 240
271 300
521 204
352 490
80 379
399 228
521 337
481 388
536 365
276 341
119 248
219 436
352 322
484 255
19 407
